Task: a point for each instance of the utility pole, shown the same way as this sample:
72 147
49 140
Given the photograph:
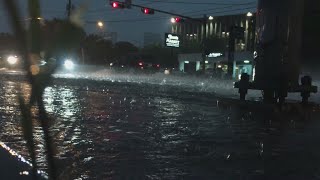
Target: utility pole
69 8
204 41
231 51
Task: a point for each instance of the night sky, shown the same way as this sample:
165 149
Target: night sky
132 23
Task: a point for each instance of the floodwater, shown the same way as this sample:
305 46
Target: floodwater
121 130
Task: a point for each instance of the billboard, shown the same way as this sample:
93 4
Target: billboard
172 40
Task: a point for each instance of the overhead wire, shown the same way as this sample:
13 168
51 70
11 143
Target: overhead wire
164 17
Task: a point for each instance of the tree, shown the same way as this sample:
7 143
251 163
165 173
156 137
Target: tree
166 57
97 49
61 37
124 48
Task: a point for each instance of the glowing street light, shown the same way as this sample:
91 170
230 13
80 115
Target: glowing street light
100 24
173 20
210 18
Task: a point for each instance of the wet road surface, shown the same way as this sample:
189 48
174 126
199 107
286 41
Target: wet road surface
110 130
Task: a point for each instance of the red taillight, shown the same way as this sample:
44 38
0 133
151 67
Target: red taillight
158 65
140 63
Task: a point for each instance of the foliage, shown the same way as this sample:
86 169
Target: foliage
97 49
60 37
53 38
8 43
162 55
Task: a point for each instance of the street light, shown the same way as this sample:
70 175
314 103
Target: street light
210 18
173 20
100 24
249 14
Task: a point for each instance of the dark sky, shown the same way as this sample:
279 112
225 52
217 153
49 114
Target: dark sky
132 23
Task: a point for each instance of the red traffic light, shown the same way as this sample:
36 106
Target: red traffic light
147 11
117 4
177 19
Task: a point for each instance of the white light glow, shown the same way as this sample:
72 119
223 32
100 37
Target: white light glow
173 20
100 24
187 62
210 18
68 64
219 66
246 61
12 60
214 55
249 14
206 62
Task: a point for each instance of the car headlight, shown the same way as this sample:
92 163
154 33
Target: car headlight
68 64
12 60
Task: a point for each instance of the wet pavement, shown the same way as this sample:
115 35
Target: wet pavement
114 130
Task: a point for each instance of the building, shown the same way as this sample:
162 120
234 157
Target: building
216 63
150 38
219 26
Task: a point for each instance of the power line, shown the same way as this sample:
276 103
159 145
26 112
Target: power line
199 3
163 17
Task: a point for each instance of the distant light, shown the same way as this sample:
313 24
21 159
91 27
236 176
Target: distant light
177 19
187 62
43 62
166 72
214 55
140 63
122 66
111 64
173 20
68 64
100 24
146 11
210 18
255 54
249 14
39 18
12 60
219 66
246 61
115 5
206 62
158 65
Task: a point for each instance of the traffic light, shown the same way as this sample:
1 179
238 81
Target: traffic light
147 10
176 20
117 4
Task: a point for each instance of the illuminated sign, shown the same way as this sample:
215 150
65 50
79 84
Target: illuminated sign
214 55
172 40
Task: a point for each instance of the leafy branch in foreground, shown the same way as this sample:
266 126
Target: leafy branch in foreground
31 44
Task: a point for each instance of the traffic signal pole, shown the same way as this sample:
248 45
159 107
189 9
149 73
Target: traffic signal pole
202 22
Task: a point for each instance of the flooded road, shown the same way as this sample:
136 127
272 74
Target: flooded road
112 130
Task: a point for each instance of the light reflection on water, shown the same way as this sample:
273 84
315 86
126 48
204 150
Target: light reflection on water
105 130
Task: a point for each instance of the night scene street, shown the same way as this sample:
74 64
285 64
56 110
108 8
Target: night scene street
160 90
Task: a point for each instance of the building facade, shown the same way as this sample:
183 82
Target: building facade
219 26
